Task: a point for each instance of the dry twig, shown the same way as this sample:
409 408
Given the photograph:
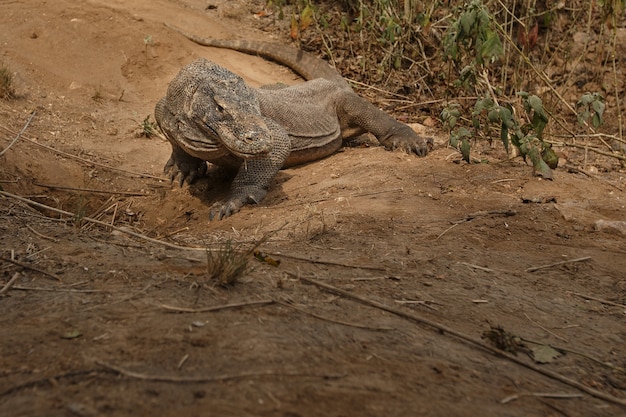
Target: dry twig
9 284
19 134
23 265
537 268
480 268
216 308
22 288
546 330
214 378
600 300
538 394
42 235
317 261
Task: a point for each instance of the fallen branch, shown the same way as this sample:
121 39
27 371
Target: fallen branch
22 288
23 265
476 342
215 378
317 261
537 268
343 323
216 308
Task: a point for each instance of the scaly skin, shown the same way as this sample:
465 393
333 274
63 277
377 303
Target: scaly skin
210 114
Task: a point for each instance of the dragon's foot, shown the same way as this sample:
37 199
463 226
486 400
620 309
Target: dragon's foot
404 138
221 210
188 169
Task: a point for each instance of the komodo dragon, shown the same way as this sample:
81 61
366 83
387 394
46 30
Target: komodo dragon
210 114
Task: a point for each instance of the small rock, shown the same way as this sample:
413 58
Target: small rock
610 225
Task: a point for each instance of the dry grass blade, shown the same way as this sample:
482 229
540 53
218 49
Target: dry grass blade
227 264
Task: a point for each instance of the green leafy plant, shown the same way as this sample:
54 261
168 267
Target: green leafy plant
527 138
472 43
591 107
147 128
472 36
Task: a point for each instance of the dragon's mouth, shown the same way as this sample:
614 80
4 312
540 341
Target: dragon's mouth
245 140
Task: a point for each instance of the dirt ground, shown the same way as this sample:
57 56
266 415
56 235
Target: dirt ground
430 238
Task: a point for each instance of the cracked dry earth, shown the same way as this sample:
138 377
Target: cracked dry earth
426 238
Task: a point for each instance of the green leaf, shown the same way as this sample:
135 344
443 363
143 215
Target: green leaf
506 116
550 157
463 132
467 21
485 103
494 115
596 120
492 48
306 17
454 140
539 123
540 168
598 107
535 103
504 137
465 150
544 354
583 116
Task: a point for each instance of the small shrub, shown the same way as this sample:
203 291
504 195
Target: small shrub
148 128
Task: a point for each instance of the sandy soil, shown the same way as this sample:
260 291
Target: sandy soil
422 240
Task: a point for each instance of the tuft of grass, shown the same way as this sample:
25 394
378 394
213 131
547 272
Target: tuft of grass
226 265
147 128
7 91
